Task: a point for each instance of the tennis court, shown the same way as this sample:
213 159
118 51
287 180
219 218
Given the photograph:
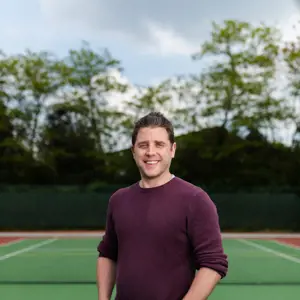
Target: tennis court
63 266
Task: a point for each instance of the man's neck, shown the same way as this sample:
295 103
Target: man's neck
151 183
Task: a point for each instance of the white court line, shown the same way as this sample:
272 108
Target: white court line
266 249
3 257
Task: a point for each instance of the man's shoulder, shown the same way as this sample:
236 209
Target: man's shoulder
196 199
188 189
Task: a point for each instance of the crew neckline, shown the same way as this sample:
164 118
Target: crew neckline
155 188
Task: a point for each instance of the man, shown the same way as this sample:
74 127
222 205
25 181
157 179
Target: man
160 230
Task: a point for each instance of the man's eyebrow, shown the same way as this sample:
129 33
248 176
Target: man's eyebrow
147 142
142 142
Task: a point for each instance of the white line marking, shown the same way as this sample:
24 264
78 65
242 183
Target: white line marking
26 249
266 249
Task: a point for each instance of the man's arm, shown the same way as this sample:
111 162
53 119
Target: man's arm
203 284
108 255
205 236
106 275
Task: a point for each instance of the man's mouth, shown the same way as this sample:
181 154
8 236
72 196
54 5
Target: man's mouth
151 162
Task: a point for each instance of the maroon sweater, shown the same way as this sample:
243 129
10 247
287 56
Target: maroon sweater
159 237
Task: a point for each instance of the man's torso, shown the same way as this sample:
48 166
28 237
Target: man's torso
154 252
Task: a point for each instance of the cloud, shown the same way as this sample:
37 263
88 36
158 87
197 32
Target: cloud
291 27
165 27
164 41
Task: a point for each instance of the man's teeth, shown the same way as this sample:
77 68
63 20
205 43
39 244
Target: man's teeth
152 162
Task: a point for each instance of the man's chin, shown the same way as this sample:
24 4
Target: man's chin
149 175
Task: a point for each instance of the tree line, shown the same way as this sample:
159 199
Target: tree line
61 123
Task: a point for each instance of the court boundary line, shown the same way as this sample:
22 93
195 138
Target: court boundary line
275 252
26 249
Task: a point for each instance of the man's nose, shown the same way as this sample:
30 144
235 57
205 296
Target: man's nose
151 150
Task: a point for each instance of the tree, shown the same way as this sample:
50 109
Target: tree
66 145
237 89
34 77
291 54
146 99
90 82
14 159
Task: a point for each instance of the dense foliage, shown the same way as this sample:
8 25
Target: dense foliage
60 123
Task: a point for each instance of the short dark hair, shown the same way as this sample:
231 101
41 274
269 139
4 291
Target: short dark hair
153 119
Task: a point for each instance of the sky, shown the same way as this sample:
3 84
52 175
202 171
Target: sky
154 40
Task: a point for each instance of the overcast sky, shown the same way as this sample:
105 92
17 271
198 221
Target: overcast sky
153 39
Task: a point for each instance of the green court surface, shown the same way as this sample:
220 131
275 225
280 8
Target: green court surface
65 268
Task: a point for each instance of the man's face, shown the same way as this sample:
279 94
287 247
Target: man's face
153 151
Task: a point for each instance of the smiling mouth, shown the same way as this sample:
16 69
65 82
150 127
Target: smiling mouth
151 162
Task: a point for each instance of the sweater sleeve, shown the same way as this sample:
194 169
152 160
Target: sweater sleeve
108 246
205 234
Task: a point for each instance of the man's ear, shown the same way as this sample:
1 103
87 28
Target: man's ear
133 153
174 146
